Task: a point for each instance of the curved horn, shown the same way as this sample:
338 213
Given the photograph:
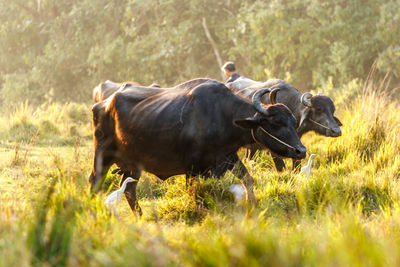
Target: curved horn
272 95
305 99
257 100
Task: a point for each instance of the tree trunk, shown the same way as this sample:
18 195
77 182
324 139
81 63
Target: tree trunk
213 44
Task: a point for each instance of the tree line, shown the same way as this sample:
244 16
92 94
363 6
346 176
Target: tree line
59 50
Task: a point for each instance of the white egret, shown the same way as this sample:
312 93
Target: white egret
307 169
115 197
238 191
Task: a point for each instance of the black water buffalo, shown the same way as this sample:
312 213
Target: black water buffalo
195 128
313 113
104 90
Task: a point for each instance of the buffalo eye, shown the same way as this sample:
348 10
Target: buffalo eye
99 133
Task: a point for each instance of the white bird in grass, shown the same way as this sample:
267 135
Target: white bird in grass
307 169
238 191
115 197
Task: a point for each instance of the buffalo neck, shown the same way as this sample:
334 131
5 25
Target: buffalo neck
292 102
244 109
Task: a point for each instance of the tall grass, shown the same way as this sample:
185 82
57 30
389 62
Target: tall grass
54 124
347 213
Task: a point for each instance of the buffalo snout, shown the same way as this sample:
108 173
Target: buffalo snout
300 152
336 132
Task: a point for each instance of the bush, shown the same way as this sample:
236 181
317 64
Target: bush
307 42
78 113
48 128
21 125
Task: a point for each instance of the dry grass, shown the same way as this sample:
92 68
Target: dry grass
347 213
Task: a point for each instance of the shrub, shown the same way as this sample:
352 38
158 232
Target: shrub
48 128
23 130
78 113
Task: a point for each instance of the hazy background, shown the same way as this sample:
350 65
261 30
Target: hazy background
52 54
59 50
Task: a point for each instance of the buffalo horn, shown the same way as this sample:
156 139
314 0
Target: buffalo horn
305 99
272 95
257 100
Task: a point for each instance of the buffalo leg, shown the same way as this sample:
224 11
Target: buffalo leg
225 165
247 181
234 164
279 163
250 153
296 165
130 191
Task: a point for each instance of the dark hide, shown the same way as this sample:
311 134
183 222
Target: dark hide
322 110
195 128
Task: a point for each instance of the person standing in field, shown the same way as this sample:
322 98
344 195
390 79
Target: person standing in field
229 69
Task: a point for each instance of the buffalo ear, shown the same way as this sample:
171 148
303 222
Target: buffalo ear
339 123
248 123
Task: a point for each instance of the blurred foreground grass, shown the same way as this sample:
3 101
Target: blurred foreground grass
347 213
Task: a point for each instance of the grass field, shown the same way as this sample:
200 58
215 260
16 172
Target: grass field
347 213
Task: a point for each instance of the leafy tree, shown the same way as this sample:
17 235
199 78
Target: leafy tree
67 47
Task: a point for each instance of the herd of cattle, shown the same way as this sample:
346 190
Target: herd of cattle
197 127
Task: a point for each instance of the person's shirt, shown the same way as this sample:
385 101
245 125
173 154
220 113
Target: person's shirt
234 77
